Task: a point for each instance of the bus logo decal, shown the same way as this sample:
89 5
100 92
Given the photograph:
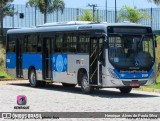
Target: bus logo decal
60 62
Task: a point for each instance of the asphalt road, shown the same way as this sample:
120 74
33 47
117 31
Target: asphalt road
55 98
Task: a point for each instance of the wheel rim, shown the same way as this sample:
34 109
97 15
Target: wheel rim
85 83
33 78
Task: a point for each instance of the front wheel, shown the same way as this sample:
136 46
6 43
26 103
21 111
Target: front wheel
125 90
85 87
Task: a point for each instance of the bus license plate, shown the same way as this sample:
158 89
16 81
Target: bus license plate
135 84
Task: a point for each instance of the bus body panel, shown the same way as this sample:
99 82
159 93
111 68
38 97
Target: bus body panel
77 61
65 67
11 64
34 60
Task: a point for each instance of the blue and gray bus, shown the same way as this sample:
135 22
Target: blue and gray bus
91 55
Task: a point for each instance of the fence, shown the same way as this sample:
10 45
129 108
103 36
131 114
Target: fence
32 16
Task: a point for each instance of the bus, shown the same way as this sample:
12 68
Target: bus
87 54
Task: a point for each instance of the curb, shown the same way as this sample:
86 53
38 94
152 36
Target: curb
148 90
14 79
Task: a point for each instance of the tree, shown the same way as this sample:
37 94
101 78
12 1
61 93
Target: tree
47 6
88 16
131 14
155 1
5 9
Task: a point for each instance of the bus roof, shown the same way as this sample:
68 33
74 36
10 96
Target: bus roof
71 27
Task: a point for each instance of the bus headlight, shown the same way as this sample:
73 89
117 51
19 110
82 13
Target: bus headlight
113 74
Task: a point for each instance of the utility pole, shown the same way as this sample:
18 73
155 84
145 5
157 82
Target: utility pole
93 8
13 17
1 18
151 16
106 10
115 11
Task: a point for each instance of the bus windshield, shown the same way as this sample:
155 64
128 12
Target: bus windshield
131 51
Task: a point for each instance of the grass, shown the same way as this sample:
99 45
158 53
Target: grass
3 73
157 86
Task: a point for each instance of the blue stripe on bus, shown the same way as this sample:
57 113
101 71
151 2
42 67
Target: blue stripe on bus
32 60
11 60
131 75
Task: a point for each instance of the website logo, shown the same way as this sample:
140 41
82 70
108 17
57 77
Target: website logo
21 100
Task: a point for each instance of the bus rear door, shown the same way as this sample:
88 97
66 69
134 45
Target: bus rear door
47 50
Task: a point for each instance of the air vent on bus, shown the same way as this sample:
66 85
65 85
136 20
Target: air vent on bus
65 23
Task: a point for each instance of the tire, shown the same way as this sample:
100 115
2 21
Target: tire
125 90
85 87
32 78
68 85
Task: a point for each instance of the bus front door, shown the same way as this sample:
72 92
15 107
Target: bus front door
95 68
47 58
19 48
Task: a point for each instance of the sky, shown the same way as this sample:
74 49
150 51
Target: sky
101 3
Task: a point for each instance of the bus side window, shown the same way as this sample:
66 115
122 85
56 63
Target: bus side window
39 45
83 44
11 44
58 43
70 43
25 49
31 44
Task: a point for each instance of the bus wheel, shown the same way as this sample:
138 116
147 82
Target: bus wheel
125 89
85 87
68 85
32 78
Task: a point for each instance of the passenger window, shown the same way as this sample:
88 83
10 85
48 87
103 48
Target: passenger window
70 43
11 44
32 44
58 44
83 44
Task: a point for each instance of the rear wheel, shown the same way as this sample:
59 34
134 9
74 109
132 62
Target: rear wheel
125 89
32 78
68 85
85 87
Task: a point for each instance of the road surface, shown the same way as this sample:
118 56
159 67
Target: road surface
55 98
